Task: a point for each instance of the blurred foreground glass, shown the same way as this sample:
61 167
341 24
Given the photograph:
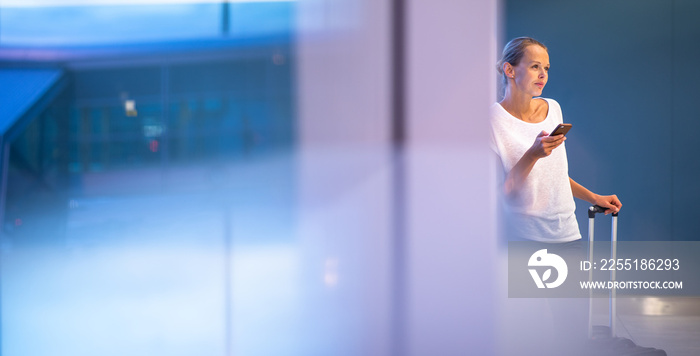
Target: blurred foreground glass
252 203
149 204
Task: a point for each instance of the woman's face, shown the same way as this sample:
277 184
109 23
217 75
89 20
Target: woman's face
531 74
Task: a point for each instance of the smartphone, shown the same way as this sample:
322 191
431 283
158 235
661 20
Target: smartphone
561 129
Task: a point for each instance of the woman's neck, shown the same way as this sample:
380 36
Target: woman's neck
519 106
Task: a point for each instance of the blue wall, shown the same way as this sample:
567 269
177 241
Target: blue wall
625 73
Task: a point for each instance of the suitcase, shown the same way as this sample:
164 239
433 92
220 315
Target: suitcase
603 340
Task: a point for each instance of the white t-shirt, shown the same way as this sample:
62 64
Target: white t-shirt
543 210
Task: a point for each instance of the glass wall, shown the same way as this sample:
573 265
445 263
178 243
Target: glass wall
37 168
181 113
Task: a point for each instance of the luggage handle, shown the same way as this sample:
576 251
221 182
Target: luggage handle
595 209
612 307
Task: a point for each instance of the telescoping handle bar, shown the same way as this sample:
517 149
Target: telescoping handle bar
595 209
612 308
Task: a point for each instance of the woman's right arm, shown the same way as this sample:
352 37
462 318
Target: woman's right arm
542 147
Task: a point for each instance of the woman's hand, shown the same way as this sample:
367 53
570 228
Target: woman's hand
543 147
545 144
609 202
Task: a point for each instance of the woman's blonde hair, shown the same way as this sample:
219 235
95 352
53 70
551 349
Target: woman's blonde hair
514 51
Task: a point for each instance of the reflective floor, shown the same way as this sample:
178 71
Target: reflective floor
671 324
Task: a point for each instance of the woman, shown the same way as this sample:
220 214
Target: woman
537 189
538 193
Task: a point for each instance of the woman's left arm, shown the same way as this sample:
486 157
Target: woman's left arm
610 202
